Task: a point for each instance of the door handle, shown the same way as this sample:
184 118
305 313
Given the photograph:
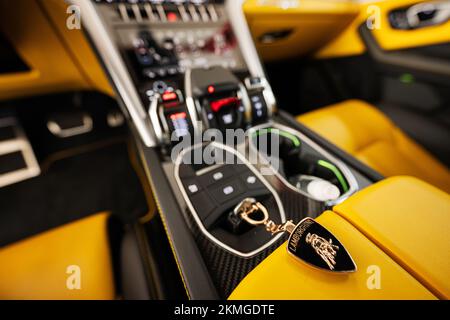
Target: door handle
274 36
428 14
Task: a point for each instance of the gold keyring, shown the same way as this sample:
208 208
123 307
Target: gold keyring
260 207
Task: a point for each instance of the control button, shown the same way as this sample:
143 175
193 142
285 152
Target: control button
172 70
159 86
252 182
168 44
177 122
259 107
149 73
161 72
216 176
192 186
228 118
254 81
251 179
143 56
172 17
169 96
211 119
203 205
228 191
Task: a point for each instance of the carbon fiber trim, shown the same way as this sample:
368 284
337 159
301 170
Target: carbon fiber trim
228 270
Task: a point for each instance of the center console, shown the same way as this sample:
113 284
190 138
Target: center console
187 73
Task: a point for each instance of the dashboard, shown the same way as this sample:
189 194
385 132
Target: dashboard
175 35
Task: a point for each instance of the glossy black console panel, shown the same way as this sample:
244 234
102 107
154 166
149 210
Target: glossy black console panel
212 188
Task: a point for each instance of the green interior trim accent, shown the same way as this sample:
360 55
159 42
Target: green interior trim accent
336 172
407 78
282 133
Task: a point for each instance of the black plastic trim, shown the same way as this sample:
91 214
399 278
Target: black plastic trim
198 283
409 61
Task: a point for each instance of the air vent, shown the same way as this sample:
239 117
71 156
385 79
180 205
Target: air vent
147 12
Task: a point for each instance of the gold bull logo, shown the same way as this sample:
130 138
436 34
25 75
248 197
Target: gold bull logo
325 249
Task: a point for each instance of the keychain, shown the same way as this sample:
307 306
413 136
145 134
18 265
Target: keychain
308 242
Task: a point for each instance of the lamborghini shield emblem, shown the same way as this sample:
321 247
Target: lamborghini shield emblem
311 243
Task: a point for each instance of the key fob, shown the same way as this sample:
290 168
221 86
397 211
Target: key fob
313 244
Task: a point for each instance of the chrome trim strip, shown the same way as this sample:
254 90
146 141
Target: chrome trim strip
203 171
20 143
190 102
243 96
353 184
153 113
57 131
243 35
195 215
242 32
267 93
115 65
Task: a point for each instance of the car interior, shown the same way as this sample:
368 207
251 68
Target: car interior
99 202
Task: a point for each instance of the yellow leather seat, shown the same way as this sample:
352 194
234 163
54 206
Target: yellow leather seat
52 265
366 133
408 219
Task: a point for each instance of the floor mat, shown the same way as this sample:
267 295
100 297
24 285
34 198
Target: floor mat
72 188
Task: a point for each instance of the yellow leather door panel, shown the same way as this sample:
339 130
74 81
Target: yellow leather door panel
349 41
312 23
392 39
78 46
28 30
281 277
409 219
60 59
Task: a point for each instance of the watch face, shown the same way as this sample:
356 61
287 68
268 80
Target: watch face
311 243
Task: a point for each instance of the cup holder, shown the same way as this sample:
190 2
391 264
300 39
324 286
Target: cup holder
303 166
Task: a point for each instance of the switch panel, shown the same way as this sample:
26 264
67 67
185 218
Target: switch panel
212 190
